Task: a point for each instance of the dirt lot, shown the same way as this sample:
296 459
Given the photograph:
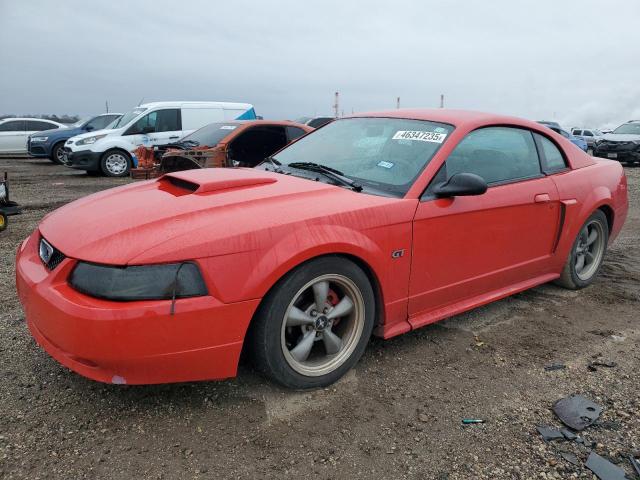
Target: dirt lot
397 415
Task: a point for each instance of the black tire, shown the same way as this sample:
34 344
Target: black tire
4 221
55 153
113 154
569 277
265 337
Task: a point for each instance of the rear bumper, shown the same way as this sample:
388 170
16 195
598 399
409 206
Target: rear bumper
83 159
133 342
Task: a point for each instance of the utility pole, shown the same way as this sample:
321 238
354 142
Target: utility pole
336 105
106 104
442 100
398 103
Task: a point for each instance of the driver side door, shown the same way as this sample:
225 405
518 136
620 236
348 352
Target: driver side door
158 127
468 247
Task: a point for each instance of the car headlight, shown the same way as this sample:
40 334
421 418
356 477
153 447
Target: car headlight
90 140
39 139
145 282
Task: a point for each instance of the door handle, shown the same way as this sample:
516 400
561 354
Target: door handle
542 198
173 138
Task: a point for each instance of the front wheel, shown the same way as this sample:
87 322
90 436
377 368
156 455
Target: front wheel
4 221
57 154
115 163
587 253
314 325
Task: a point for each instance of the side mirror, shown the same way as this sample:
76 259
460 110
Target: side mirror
89 128
461 184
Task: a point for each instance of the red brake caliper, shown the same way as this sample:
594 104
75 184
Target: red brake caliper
333 299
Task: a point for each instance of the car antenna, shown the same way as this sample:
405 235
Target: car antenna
140 102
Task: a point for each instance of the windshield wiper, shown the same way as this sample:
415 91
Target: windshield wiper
332 173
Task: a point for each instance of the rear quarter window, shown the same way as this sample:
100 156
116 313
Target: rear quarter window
553 157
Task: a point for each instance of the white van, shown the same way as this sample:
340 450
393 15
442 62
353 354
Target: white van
111 151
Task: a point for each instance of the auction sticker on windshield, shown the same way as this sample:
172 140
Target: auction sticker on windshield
420 136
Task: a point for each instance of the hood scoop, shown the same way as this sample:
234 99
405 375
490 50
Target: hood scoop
213 180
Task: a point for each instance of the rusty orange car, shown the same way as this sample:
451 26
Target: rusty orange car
224 144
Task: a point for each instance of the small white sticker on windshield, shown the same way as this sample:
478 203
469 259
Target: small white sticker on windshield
385 164
228 127
420 136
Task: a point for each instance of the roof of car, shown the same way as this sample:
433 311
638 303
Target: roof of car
288 123
452 117
195 104
31 119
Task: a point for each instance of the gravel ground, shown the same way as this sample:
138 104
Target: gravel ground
396 415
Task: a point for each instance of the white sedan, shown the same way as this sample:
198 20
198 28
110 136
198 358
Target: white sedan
14 132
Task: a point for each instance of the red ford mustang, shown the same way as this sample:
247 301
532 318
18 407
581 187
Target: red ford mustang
379 223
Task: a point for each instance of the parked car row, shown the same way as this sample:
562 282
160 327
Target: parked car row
623 144
555 126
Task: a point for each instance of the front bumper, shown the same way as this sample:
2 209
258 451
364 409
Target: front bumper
82 159
128 342
622 151
38 149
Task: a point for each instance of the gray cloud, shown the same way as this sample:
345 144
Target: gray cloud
575 61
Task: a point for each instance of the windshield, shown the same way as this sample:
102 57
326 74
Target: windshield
127 117
211 134
632 128
381 153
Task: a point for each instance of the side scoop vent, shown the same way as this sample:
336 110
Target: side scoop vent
183 184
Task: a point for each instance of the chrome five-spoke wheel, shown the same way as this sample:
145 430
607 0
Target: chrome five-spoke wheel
314 324
322 325
589 250
587 253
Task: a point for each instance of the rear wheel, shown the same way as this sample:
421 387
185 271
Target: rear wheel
587 253
115 163
314 325
57 153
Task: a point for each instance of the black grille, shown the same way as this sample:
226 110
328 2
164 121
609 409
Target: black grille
39 150
55 258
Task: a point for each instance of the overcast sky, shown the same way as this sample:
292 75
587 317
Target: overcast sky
574 61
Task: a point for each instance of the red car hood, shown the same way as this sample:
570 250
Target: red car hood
199 213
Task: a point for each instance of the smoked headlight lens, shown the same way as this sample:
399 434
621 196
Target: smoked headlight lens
146 282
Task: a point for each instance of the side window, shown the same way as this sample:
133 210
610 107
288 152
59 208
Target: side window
497 154
168 120
34 126
146 124
576 132
158 121
587 133
554 160
294 132
13 126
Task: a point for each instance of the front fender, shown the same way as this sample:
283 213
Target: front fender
270 265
